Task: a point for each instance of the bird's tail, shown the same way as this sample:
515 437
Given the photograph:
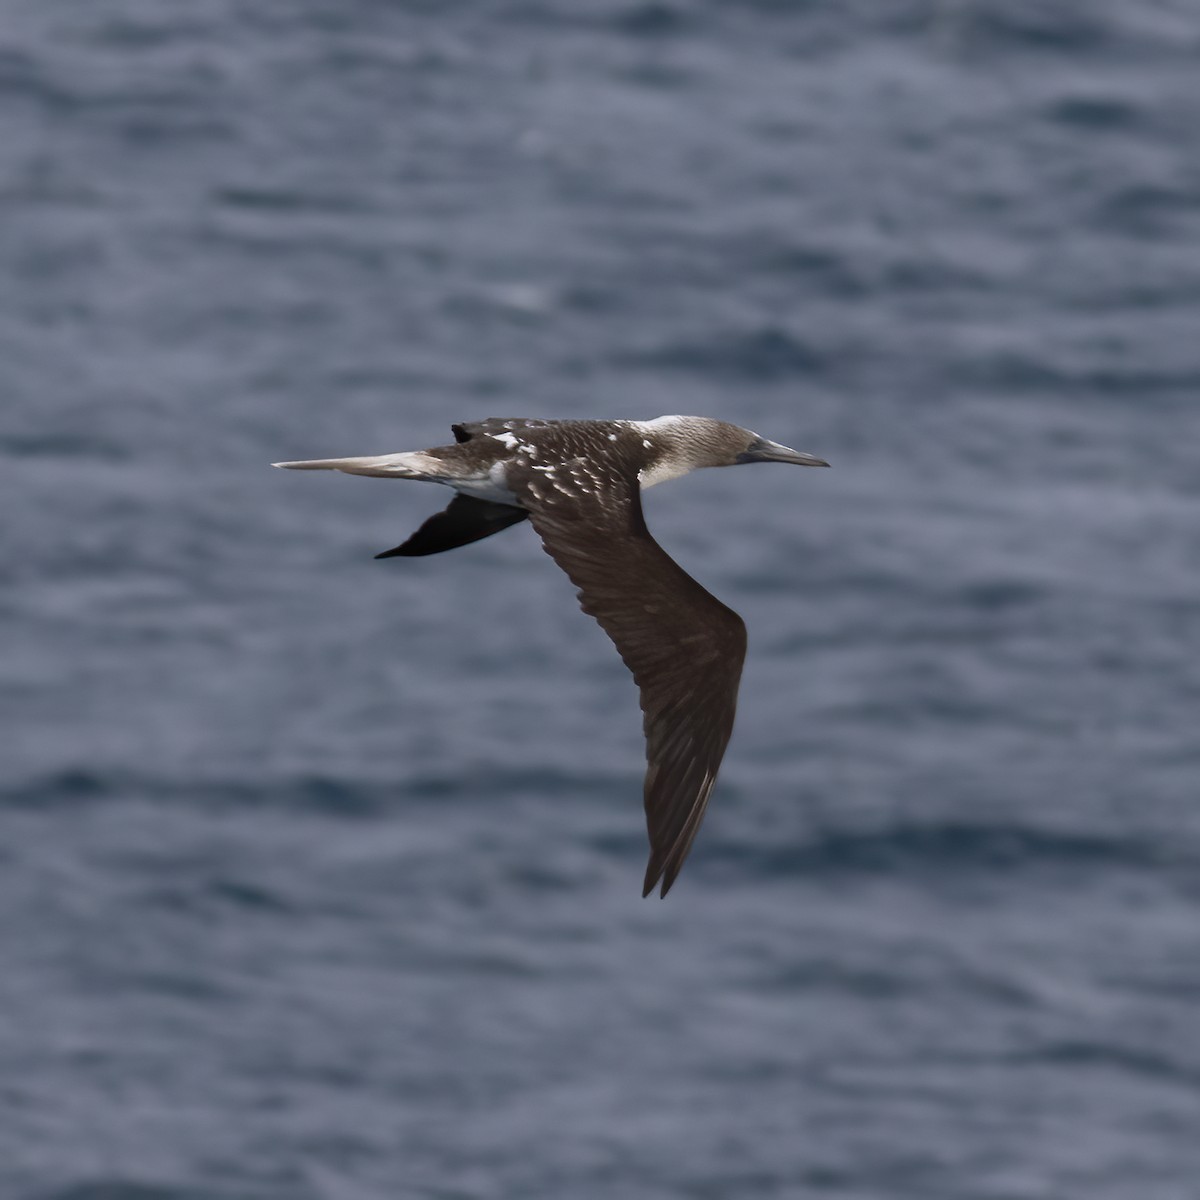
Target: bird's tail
394 466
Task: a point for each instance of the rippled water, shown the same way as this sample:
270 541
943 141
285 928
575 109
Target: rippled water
319 876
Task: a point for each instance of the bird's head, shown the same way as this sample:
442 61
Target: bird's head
711 443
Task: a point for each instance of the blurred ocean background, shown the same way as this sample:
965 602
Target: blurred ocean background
319 876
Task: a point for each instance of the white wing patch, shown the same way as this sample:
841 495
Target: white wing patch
510 441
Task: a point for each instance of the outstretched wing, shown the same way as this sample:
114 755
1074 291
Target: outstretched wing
684 647
464 520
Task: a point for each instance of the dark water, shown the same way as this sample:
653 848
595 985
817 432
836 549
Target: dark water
319 876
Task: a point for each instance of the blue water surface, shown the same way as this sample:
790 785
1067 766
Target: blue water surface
319 876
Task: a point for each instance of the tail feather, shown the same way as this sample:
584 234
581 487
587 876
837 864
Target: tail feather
395 466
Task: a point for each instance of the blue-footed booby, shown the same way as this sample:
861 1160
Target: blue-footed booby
579 484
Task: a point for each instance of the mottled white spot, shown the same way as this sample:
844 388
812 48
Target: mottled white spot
612 437
507 439
646 443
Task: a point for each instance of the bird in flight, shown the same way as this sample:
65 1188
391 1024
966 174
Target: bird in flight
579 484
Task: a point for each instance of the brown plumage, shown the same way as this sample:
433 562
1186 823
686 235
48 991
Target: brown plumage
579 484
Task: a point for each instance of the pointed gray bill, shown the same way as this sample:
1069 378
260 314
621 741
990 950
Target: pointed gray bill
764 450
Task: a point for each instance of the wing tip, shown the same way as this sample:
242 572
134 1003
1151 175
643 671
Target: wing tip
656 871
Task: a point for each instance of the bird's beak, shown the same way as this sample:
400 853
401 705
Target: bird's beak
763 450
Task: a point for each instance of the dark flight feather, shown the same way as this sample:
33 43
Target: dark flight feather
684 647
464 520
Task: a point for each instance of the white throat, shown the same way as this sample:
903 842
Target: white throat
666 468
663 471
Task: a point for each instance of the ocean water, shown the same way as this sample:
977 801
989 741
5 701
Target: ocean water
319 876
